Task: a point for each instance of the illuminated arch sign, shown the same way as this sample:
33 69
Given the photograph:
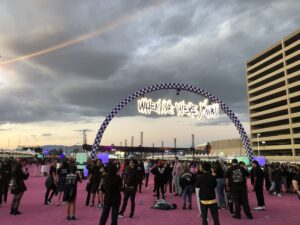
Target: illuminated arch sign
164 107
174 86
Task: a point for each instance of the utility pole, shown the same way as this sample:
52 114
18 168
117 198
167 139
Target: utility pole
193 146
175 140
132 138
193 140
142 137
84 140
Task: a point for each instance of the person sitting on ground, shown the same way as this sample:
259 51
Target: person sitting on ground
163 205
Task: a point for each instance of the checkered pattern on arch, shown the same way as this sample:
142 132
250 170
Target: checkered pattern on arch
176 86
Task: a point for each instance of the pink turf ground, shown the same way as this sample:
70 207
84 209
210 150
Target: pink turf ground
280 211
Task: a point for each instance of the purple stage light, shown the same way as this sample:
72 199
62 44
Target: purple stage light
104 157
260 159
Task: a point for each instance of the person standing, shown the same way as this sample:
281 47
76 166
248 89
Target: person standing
147 173
131 181
140 174
169 177
219 172
94 180
258 184
296 183
18 187
101 190
70 192
112 199
186 182
236 182
159 173
50 183
6 175
177 172
207 196
88 185
267 177
277 177
61 180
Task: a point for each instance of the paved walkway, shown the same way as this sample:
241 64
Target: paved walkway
280 211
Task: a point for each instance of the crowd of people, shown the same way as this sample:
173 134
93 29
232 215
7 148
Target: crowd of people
218 185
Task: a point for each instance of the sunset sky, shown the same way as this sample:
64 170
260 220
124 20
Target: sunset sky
65 64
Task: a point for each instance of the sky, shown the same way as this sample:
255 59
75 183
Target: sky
65 65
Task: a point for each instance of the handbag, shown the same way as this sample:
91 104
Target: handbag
49 181
13 185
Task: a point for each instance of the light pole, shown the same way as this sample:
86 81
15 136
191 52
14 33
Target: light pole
263 143
258 135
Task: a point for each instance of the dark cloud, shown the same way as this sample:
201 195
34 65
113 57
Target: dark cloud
203 43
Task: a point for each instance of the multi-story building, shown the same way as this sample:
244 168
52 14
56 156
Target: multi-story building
273 80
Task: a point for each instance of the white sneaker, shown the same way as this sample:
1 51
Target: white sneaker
120 215
263 207
258 208
279 195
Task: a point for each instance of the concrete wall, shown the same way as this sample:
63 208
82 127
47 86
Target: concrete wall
228 147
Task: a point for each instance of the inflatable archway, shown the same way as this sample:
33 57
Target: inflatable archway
176 86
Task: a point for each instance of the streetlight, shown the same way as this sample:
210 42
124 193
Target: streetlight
258 135
263 142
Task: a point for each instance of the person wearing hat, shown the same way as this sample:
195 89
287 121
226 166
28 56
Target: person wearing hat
236 182
207 196
258 183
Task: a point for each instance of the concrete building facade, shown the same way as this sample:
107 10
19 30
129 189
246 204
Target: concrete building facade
273 82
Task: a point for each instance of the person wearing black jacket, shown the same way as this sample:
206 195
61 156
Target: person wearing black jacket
140 169
236 182
186 182
207 184
277 177
169 177
130 184
159 173
50 183
88 185
258 183
6 175
112 198
296 183
18 187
